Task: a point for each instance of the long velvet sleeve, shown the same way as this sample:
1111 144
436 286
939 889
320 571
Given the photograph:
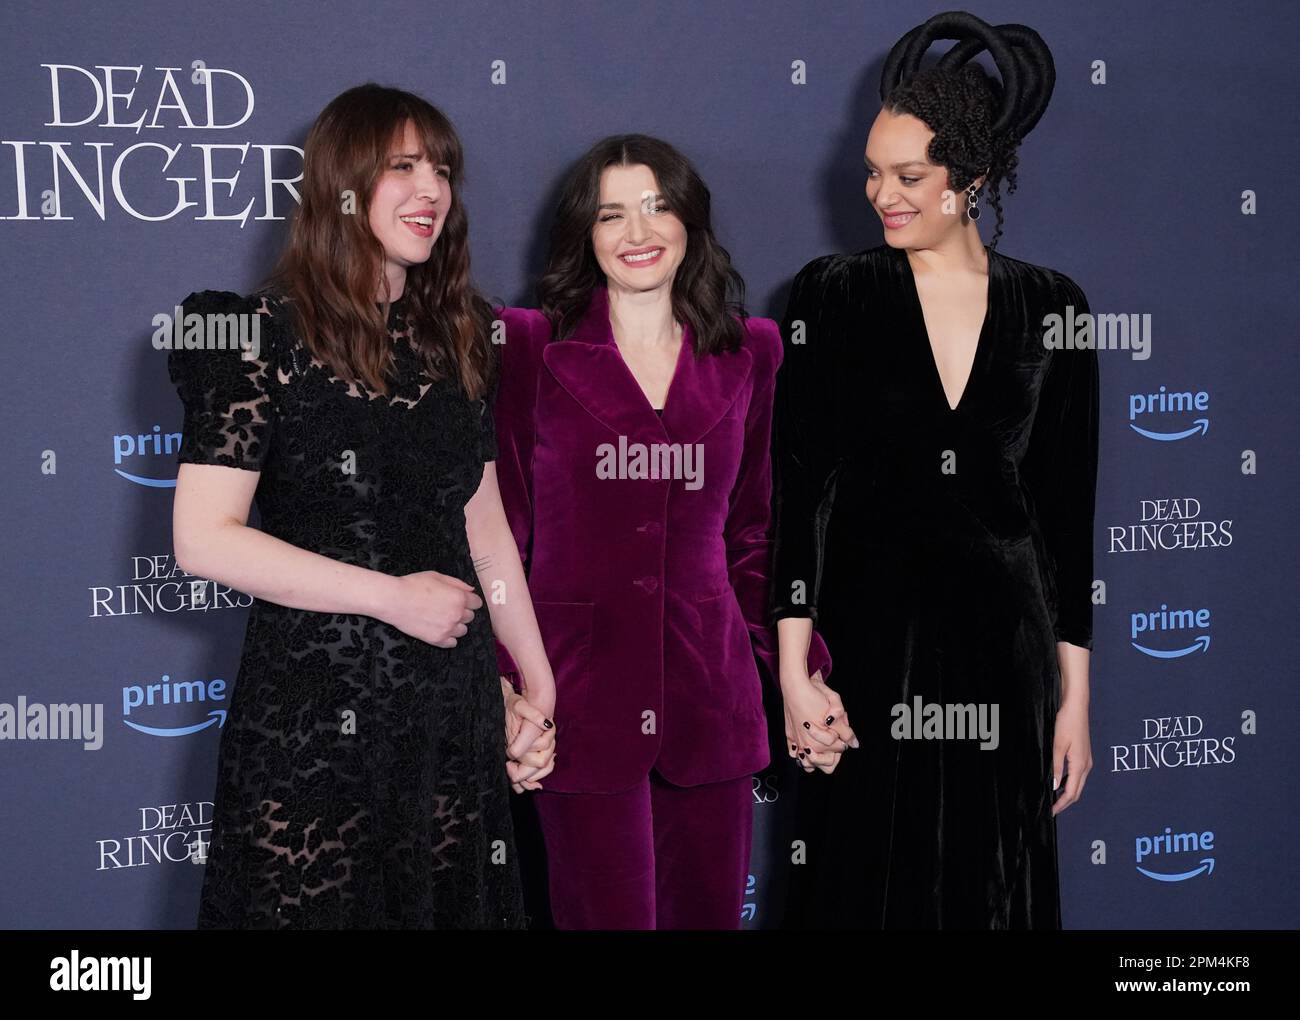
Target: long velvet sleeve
1060 471
804 456
748 530
804 448
515 435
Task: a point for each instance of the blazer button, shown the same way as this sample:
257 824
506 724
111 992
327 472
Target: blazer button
649 583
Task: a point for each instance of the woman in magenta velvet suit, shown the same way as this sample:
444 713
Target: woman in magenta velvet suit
634 420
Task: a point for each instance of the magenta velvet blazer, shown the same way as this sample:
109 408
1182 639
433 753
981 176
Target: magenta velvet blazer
651 596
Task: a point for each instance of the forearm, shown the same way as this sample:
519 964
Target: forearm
794 636
501 573
1074 662
752 589
268 568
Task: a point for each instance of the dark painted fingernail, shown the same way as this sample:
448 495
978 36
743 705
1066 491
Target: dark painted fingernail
830 719
800 755
806 726
550 725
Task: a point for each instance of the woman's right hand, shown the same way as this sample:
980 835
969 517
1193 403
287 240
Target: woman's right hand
435 608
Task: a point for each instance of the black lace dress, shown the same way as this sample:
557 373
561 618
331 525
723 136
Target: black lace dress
361 773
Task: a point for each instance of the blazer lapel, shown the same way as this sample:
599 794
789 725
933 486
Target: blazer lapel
589 366
708 387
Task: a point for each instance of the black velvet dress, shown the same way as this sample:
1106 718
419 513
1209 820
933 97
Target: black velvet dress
942 552
361 775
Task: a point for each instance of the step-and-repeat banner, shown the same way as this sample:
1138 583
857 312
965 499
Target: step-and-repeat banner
148 150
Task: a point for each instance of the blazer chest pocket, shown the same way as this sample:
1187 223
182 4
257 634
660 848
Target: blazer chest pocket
566 629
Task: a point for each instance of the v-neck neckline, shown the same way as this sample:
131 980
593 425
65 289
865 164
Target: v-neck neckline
677 371
930 358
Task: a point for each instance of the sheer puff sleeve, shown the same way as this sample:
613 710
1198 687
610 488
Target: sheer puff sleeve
222 368
1060 472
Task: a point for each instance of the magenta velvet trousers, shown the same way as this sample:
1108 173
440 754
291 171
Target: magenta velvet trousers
654 856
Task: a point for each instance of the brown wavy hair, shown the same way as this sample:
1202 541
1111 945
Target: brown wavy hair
705 279
332 267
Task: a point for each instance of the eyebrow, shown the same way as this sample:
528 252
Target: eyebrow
415 157
619 205
901 166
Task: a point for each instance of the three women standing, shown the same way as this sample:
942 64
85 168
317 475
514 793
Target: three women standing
935 466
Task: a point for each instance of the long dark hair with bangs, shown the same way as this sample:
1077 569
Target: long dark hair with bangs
333 265
707 290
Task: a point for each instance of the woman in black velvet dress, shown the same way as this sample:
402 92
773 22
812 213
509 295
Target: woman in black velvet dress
936 464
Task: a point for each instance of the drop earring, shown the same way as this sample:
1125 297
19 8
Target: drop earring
972 203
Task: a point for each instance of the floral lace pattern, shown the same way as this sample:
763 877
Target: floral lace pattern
361 772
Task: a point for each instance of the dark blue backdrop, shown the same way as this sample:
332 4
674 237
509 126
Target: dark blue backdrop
1134 184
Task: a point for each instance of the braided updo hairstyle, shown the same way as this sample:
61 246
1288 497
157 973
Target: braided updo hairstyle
978 123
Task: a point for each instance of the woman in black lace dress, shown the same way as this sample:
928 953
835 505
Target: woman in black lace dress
363 778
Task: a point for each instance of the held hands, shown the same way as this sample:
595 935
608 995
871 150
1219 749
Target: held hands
433 607
817 728
530 740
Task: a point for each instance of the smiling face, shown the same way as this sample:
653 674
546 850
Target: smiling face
906 190
408 207
638 241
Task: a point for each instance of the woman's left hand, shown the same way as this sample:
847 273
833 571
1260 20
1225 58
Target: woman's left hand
816 726
1070 744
